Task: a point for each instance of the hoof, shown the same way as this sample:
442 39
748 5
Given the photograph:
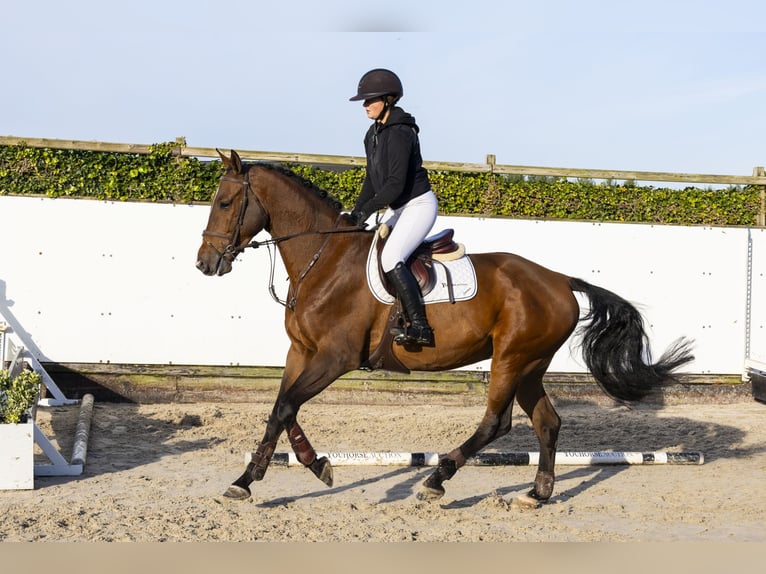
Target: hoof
429 493
543 486
322 468
525 502
237 492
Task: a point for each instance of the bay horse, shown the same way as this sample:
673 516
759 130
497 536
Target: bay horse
520 316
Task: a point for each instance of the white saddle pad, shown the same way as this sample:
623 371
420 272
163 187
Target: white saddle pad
461 272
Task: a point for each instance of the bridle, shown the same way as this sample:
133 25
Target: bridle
231 250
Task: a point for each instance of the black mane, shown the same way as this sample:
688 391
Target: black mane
328 199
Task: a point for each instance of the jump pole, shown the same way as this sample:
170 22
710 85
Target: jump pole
80 449
59 466
495 459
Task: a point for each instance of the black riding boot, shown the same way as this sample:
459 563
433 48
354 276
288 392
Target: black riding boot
406 286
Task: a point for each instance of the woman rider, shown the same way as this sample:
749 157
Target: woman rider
395 179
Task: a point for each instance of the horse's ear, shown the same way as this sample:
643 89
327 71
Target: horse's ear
226 161
236 163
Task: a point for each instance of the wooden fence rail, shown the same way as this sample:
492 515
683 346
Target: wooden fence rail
757 178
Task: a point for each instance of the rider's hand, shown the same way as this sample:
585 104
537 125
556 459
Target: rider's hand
359 218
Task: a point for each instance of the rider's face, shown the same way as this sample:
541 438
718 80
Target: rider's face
373 107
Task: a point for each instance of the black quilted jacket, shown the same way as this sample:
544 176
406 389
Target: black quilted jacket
395 172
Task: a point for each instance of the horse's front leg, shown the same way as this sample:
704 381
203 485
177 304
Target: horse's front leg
316 375
321 467
259 461
309 383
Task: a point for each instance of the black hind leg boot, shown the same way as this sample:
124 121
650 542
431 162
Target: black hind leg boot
406 286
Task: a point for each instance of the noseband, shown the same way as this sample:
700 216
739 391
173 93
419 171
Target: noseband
232 249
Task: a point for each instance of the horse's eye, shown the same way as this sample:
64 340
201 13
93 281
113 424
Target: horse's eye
225 204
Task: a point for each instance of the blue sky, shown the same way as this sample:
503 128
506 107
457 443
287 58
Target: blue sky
652 85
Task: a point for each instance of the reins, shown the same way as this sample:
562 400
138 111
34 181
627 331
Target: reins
276 240
290 303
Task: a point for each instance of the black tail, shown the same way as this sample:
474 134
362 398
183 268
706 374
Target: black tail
616 348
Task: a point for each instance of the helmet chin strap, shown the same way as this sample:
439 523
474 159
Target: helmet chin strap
382 114
387 106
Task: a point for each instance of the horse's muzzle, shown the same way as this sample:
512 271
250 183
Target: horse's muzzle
219 266
202 266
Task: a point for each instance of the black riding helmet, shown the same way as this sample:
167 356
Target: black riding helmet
377 83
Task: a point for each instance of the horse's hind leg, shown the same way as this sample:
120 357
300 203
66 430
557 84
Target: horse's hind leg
546 422
495 423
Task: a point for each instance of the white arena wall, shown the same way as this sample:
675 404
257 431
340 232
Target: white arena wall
88 281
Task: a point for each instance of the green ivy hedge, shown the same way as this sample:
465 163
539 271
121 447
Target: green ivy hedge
558 198
163 176
157 176
18 395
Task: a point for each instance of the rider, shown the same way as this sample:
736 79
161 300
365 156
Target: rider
396 179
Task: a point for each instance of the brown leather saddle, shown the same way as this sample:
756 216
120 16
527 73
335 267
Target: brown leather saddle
421 262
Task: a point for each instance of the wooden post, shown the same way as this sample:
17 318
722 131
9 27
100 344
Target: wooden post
179 149
491 160
491 198
758 171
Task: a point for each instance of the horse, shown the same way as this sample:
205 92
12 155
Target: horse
521 314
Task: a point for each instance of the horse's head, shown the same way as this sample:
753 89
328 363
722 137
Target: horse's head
236 216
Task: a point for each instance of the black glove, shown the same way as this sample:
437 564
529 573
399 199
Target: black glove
359 218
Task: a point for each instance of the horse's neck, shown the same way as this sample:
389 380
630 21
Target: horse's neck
301 249
294 214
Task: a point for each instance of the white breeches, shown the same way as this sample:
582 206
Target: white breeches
410 225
